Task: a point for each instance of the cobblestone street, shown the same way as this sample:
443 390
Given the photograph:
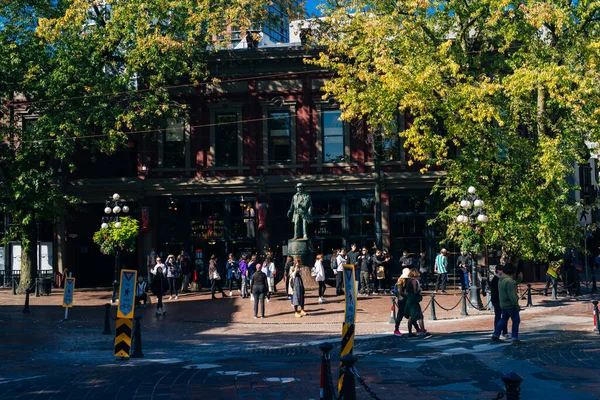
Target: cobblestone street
214 349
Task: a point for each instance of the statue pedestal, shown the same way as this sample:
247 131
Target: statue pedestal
302 249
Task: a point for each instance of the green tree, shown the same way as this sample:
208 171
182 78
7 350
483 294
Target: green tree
95 71
502 95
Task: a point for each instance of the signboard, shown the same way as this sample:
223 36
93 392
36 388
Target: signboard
349 316
127 293
123 337
68 293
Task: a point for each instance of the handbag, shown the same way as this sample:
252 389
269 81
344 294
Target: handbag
216 276
380 272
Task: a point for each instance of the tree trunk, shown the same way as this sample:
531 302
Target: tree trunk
28 258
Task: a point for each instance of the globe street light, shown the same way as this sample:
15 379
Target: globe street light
113 208
472 213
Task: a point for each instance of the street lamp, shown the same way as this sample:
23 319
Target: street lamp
113 208
472 213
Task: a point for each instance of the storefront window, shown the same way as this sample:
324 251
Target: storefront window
362 225
364 205
409 204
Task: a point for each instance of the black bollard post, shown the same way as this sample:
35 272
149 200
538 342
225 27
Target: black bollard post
432 316
347 389
393 311
512 384
464 303
37 287
529 300
137 338
26 308
326 388
596 317
107 320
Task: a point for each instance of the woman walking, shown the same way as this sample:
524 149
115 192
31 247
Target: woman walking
401 297
319 272
286 275
159 288
259 291
173 272
215 277
298 295
413 307
269 270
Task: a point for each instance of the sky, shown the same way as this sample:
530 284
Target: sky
311 4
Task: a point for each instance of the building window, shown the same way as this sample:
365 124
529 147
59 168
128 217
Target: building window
174 144
333 137
279 138
362 222
226 140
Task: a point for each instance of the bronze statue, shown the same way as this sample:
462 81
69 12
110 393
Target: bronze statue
301 212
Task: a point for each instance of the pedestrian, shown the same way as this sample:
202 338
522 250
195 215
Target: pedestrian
159 288
387 263
379 270
243 265
140 291
289 261
440 268
353 259
413 311
552 274
160 264
269 270
185 263
173 273
252 266
401 297
298 296
496 299
424 271
215 277
340 260
364 261
509 303
319 274
151 261
233 274
464 264
259 290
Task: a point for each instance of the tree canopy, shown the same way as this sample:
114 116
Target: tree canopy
502 95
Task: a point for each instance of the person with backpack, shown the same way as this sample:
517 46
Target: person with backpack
159 288
401 296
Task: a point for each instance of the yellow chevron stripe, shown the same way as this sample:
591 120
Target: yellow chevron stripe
124 321
122 353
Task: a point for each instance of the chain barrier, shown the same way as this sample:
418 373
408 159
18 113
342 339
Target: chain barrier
500 394
473 305
427 306
364 384
448 309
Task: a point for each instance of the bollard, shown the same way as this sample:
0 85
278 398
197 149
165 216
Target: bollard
512 384
14 287
488 299
596 317
107 320
464 304
393 311
137 338
37 287
347 386
432 316
553 292
26 308
529 301
325 388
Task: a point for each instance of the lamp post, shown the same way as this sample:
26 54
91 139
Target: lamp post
472 213
113 208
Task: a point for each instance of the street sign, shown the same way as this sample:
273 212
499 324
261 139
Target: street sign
127 293
349 316
123 337
68 293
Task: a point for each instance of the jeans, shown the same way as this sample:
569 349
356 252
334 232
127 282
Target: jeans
238 283
443 277
173 286
322 288
550 280
215 285
381 285
425 280
364 282
464 280
339 283
143 297
244 286
259 296
498 316
401 305
513 314
187 278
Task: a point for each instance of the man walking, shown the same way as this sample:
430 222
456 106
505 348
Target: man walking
464 263
353 259
441 269
340 260
509 302
496 299
364 260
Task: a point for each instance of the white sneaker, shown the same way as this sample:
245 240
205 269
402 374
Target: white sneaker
252 297
268 300
230 293
507 336
176 297
320 300
170 297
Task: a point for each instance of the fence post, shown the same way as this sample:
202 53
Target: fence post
393 311
529 300
326 389
464 303
432 316
348 388
596 317
137 338
107 320
512 384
